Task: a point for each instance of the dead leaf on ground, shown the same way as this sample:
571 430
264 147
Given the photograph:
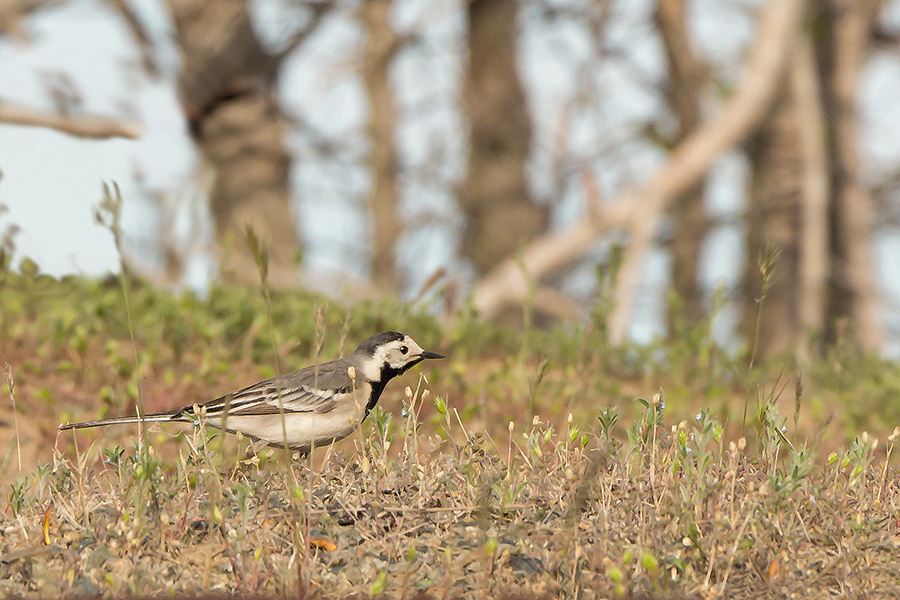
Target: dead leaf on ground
46 527
322 544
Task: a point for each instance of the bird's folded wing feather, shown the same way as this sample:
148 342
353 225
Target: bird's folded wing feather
308 390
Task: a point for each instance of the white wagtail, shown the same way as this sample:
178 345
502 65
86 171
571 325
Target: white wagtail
319 404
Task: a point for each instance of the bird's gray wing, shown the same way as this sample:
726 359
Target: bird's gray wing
313 389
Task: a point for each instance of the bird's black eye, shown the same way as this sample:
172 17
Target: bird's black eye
403 349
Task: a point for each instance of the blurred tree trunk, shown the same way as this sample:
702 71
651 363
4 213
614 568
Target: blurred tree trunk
814 238
824 183
847 28
687 211
773 221
226 92
495 199
379 51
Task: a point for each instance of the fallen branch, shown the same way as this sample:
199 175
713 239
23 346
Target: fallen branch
549 301
640 211
84 126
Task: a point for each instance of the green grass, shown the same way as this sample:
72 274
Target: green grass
544 461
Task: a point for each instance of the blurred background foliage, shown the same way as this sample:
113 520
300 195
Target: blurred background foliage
579 201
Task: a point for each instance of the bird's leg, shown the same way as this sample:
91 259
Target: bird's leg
255 447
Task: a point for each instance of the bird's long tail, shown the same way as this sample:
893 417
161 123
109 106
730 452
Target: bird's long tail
163 417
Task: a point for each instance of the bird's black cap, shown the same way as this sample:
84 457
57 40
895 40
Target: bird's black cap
368 347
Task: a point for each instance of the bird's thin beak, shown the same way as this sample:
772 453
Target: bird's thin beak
427 354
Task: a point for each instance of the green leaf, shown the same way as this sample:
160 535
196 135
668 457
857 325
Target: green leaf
379 584
649 562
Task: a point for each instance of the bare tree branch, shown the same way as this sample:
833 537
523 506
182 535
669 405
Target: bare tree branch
319 10
85 126
509 282
752 96
642 210
885 39
549 301
13 11
141 35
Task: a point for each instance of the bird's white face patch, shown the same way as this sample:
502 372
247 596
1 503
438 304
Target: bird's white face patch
400 353
396 354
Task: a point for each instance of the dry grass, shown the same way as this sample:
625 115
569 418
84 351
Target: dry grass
550 510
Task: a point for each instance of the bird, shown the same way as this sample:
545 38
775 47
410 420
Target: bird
315 406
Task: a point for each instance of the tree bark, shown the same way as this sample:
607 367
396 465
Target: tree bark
831 279
225 88
379 52
853 295
687 211
773 220
495 201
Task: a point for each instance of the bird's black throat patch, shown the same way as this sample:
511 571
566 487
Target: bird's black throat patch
387 373
377 388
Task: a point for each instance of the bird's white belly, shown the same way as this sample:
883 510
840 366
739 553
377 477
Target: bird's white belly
299 430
